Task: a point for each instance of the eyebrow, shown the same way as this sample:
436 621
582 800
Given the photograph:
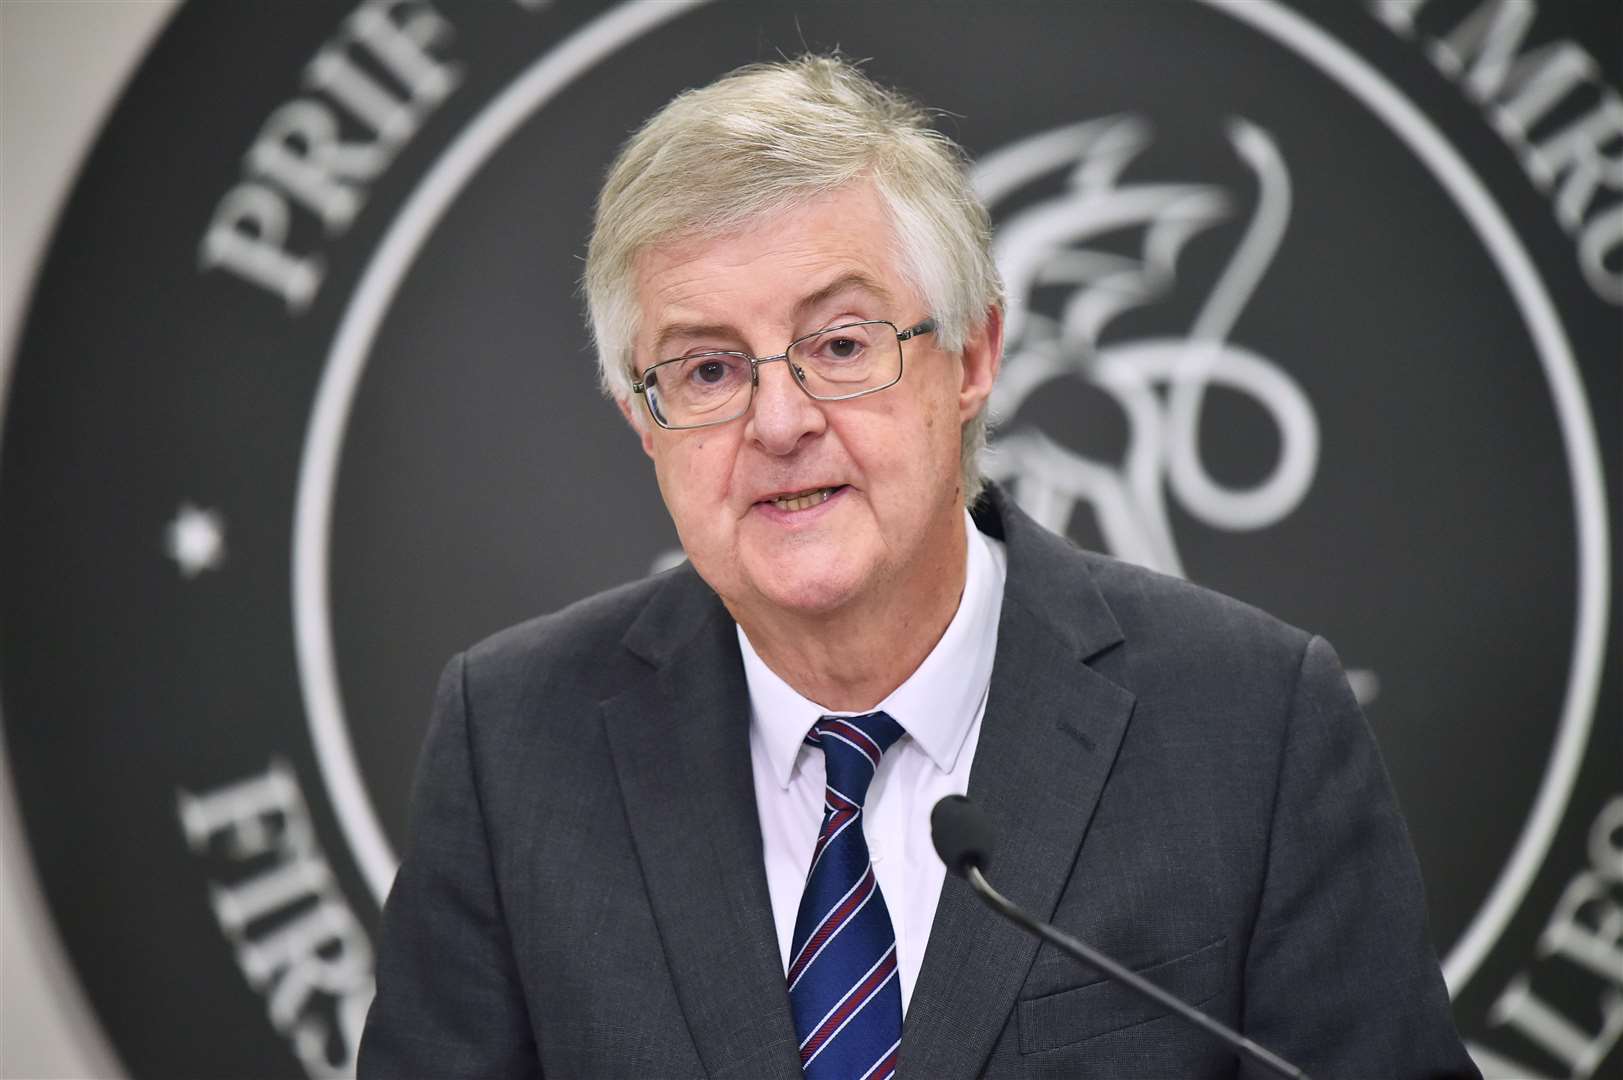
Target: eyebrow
855 282
689 330
852 282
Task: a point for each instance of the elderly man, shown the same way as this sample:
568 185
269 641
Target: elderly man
680 828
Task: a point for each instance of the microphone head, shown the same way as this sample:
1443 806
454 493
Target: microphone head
962 835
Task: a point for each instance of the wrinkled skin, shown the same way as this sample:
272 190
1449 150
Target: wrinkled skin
834 594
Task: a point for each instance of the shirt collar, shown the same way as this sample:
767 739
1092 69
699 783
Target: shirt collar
937 704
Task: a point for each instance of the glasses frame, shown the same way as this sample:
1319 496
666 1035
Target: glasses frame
639 385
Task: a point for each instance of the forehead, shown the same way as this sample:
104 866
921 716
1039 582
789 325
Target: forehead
781 268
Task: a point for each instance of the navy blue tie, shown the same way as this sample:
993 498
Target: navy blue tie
844 991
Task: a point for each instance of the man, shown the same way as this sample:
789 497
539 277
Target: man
680 828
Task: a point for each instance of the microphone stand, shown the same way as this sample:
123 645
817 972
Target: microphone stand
1131 979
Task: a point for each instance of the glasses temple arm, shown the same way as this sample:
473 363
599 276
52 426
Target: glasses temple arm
925 327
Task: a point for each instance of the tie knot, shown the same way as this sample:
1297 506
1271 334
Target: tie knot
852 747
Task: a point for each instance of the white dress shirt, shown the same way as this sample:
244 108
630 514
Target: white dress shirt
940 706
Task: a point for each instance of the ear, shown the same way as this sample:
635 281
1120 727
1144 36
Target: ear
982 357
639 423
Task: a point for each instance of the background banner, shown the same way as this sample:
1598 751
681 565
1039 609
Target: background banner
1315 304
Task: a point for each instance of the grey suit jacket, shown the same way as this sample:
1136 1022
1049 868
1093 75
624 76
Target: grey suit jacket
1174 777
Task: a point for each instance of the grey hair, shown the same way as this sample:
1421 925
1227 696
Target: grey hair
787 133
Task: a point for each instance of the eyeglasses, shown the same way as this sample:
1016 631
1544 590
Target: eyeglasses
836 364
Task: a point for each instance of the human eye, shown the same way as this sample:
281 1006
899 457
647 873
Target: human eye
709 372
844 347
842 344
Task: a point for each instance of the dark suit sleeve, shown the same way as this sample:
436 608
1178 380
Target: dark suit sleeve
449 1003
1341 978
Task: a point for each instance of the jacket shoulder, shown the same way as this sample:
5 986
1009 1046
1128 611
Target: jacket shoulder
1191 643
1117 601
1142 598
580 647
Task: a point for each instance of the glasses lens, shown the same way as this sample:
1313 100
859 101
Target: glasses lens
703 389
848 360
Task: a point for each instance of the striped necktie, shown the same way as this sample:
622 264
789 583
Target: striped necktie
844 991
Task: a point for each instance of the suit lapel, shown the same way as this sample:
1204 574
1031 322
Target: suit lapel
680 740
1047 744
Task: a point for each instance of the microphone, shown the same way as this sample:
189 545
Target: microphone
963 840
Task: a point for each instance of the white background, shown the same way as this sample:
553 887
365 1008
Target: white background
62 64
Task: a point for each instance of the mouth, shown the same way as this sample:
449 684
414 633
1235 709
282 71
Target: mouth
802 500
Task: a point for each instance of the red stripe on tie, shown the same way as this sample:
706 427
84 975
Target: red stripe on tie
885 1069
836 821
862 739
852 729
859 997
831 925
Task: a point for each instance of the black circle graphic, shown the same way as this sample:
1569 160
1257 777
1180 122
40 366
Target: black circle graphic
481 479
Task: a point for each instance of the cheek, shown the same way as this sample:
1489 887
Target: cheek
940 423
694 478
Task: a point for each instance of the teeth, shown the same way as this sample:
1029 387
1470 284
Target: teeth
803 501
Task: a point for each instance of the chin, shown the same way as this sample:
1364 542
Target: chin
809 594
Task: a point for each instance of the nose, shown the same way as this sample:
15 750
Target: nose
783 414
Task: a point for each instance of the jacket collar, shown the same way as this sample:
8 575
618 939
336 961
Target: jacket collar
680 742
1049 738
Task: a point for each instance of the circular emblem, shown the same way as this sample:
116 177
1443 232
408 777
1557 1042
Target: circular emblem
1316 307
